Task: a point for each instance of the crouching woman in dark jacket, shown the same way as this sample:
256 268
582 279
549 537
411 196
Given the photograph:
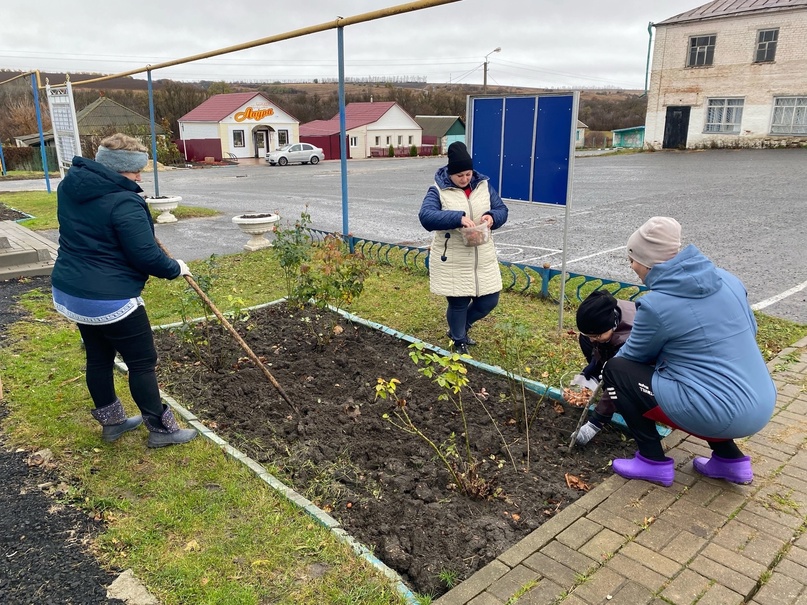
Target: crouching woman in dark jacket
107 251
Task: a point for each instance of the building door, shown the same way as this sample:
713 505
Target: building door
675 127
260 144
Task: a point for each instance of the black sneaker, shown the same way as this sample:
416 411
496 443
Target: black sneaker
468 340
461 348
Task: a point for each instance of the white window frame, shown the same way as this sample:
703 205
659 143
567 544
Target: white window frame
411 139
354 141
282 138
238 138
377 141
724 115
389 140
789 115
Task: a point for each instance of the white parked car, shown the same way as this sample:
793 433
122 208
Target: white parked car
305 153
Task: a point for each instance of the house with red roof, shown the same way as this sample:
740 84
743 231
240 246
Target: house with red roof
236 125
370 129
729 73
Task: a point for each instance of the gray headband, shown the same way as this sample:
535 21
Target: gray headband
120 160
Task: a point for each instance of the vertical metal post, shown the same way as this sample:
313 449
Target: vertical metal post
153 136
340 36
569 181
35 87
2 161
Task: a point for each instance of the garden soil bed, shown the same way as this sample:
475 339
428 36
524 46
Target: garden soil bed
385 486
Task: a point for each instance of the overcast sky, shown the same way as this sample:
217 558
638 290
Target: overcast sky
544 43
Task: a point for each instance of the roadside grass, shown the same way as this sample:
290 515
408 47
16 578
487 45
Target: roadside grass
42 206
16 175
39 204
194 525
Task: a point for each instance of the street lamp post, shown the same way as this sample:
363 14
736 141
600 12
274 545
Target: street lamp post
485 77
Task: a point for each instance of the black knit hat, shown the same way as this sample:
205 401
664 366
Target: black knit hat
459 160
598 313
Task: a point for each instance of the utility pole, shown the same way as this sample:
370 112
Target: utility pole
485 71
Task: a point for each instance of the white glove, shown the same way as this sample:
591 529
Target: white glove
183 268
582 381
586 433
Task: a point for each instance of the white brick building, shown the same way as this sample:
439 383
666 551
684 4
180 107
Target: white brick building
730 73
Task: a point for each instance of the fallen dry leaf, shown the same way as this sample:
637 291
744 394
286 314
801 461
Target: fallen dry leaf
192 546
576 483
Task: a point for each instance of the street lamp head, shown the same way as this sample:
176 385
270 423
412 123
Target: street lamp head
495 50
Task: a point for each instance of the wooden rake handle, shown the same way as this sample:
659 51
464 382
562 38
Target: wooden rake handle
235 334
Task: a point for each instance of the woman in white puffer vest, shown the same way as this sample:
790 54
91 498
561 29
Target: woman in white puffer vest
462 264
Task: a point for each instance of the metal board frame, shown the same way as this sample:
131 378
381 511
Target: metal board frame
525 145
64 124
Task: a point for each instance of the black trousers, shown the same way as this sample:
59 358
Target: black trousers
629 385
133 339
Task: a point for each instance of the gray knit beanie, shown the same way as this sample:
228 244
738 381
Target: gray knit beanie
658 240
120 160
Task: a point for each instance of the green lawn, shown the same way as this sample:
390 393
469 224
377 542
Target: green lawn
194 525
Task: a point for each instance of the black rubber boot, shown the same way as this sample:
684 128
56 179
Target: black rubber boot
113 418
167 431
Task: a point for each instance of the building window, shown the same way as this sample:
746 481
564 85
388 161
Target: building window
354 141
238 138
724 115
377 141
411 139
789 115
389 140
766 45
701 50
400 140
282 137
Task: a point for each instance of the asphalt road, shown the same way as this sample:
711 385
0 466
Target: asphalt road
745 209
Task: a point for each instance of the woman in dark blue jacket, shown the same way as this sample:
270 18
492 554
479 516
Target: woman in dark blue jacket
107 251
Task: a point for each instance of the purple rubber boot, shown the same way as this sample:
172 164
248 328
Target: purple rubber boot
736 470
644 468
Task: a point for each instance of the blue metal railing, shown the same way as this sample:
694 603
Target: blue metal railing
516 277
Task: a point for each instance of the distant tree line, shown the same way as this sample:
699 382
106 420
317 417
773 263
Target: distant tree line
599 110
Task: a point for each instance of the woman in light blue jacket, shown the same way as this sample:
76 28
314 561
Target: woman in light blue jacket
691 361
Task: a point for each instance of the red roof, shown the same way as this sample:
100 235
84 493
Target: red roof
218 107
356 114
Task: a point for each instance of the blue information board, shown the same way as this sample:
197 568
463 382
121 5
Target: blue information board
525 144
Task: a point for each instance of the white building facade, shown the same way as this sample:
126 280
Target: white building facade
730 74
236 125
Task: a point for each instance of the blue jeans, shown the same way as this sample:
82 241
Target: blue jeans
464 311
133 339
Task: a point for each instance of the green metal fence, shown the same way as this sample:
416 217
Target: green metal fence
543 282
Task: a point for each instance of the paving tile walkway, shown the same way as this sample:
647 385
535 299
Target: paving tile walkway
701 541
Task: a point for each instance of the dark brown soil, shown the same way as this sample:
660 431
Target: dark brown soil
385 486
9 214
44 556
